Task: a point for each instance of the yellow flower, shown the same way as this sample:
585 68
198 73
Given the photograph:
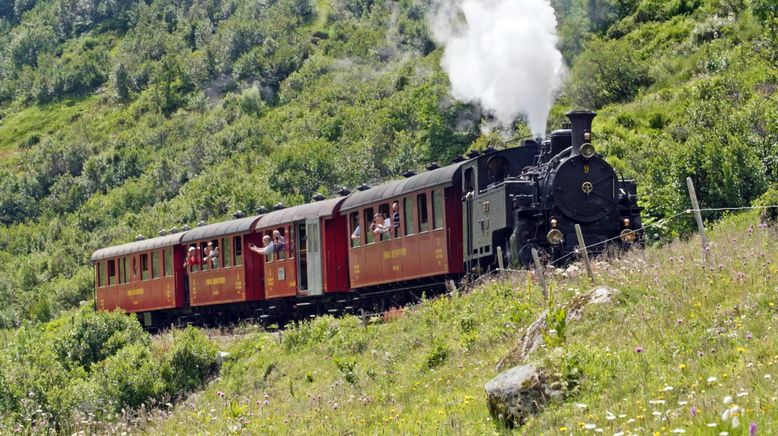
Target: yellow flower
682 366
563 429
741 350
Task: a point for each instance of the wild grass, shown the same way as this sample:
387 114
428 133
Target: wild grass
679 340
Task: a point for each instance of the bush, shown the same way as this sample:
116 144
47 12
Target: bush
769 198
94 337
190 361
130 378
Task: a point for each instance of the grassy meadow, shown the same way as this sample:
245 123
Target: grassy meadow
680 347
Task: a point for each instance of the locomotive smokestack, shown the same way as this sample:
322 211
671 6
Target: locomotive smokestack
581 124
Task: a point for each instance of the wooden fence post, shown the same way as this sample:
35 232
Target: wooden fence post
698 218
500 262
539 272
584 251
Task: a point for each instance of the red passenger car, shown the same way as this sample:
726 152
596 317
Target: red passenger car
140 276
312 259
225 271
423 215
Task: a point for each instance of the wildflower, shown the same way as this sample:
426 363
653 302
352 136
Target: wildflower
590 426
768 376
727 399
735 421
742 394
638 349
752 429
682 366
220 394
678 430
700 354
711 424
667 388
563 429
266 402
711 379
693 411
749 335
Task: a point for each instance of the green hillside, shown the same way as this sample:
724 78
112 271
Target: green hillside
122 117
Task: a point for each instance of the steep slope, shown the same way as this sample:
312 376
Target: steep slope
677 341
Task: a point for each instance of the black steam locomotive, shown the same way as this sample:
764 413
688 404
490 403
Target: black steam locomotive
533 195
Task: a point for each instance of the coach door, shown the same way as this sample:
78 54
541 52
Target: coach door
313 246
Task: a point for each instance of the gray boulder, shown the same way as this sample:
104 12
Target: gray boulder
516 394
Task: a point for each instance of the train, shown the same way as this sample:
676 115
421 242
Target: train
445 223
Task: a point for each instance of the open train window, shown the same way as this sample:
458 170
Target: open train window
102 278
134 268
111 272
356 230
227 252
387 223
144 266
155 264
408 210
124 271
168 260
423 219
467 181
497 169
238 250
281 244
204 264
369 236
212 254
437 210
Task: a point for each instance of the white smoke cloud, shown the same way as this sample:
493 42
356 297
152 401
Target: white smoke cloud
502 55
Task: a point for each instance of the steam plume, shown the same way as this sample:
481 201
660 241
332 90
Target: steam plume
502 55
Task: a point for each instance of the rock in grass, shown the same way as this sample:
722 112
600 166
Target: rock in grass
516 394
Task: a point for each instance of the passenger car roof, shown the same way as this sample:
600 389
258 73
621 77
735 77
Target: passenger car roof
317 209
137 246
215 230
395 188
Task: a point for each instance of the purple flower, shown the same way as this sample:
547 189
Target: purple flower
748 335
638 349
220 394
693 411
752 429
679 322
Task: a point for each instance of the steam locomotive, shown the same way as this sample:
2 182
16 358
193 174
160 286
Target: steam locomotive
442 224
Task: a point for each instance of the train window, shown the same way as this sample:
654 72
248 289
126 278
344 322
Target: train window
408 210
423 219
386 213
238 250
227 252
437 210
168 259
125 271
155 264
144 266
100 269
369 236
497 169
271 256
468 180
111 272
204 265
134 268
356 231
212 254
283 243
395 218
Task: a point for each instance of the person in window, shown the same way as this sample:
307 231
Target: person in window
357 233
279 241
379 224
396 218
268 249
211 255
192 258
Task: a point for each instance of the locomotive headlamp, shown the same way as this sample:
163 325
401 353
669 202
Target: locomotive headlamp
587 150
587 136
626 222
554 223
554 237
627 236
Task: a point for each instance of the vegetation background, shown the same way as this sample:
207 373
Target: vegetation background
122 117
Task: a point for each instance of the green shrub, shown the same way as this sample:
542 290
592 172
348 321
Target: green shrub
769 198
130 378
95 336
437 356
191 359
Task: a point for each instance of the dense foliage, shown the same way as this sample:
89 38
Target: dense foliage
91 366
124 117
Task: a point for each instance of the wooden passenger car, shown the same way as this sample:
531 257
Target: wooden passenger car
425 242
140 276
313 258
231 276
